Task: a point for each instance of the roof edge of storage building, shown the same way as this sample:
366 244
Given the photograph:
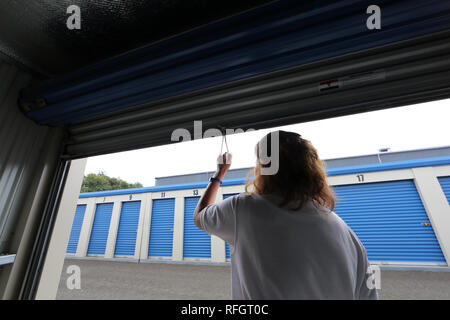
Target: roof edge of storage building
416 163
350 161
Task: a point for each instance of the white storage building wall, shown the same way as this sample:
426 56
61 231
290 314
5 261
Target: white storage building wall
399 210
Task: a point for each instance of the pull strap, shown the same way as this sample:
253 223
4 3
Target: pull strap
224 138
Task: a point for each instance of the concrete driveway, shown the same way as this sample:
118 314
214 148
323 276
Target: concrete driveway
128 280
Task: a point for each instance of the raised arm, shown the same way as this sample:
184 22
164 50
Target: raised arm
211 190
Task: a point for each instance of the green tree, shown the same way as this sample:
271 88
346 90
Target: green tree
101 182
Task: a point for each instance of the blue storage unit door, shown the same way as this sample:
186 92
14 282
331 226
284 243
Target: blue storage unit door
100 228
445 185
197 243
76 228
161 228
227 246
390 220
127 232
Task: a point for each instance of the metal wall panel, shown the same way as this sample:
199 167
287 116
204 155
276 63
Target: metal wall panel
100 229
227 246
76 228
445 184
161 228
28 161
196 243
127 231
20 141
390 220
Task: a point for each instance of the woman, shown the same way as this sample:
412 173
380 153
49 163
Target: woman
285 240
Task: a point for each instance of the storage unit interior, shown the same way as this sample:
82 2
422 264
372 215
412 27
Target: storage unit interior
70 94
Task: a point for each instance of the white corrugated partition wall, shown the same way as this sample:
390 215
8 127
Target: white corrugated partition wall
27 164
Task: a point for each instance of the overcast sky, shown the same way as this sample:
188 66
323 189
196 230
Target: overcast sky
419 126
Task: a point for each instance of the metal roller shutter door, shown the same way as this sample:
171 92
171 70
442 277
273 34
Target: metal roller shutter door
390 220
445 185
196 243
76 228
100 229
227 246
161 228
127 232
228 73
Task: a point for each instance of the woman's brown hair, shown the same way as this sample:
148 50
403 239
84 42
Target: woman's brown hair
300 177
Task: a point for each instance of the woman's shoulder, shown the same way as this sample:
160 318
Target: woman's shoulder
245 198
242 195
250 197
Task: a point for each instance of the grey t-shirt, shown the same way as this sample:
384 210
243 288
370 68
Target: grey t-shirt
282 254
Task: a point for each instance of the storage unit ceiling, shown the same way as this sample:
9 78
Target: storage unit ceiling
279 64
34 32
